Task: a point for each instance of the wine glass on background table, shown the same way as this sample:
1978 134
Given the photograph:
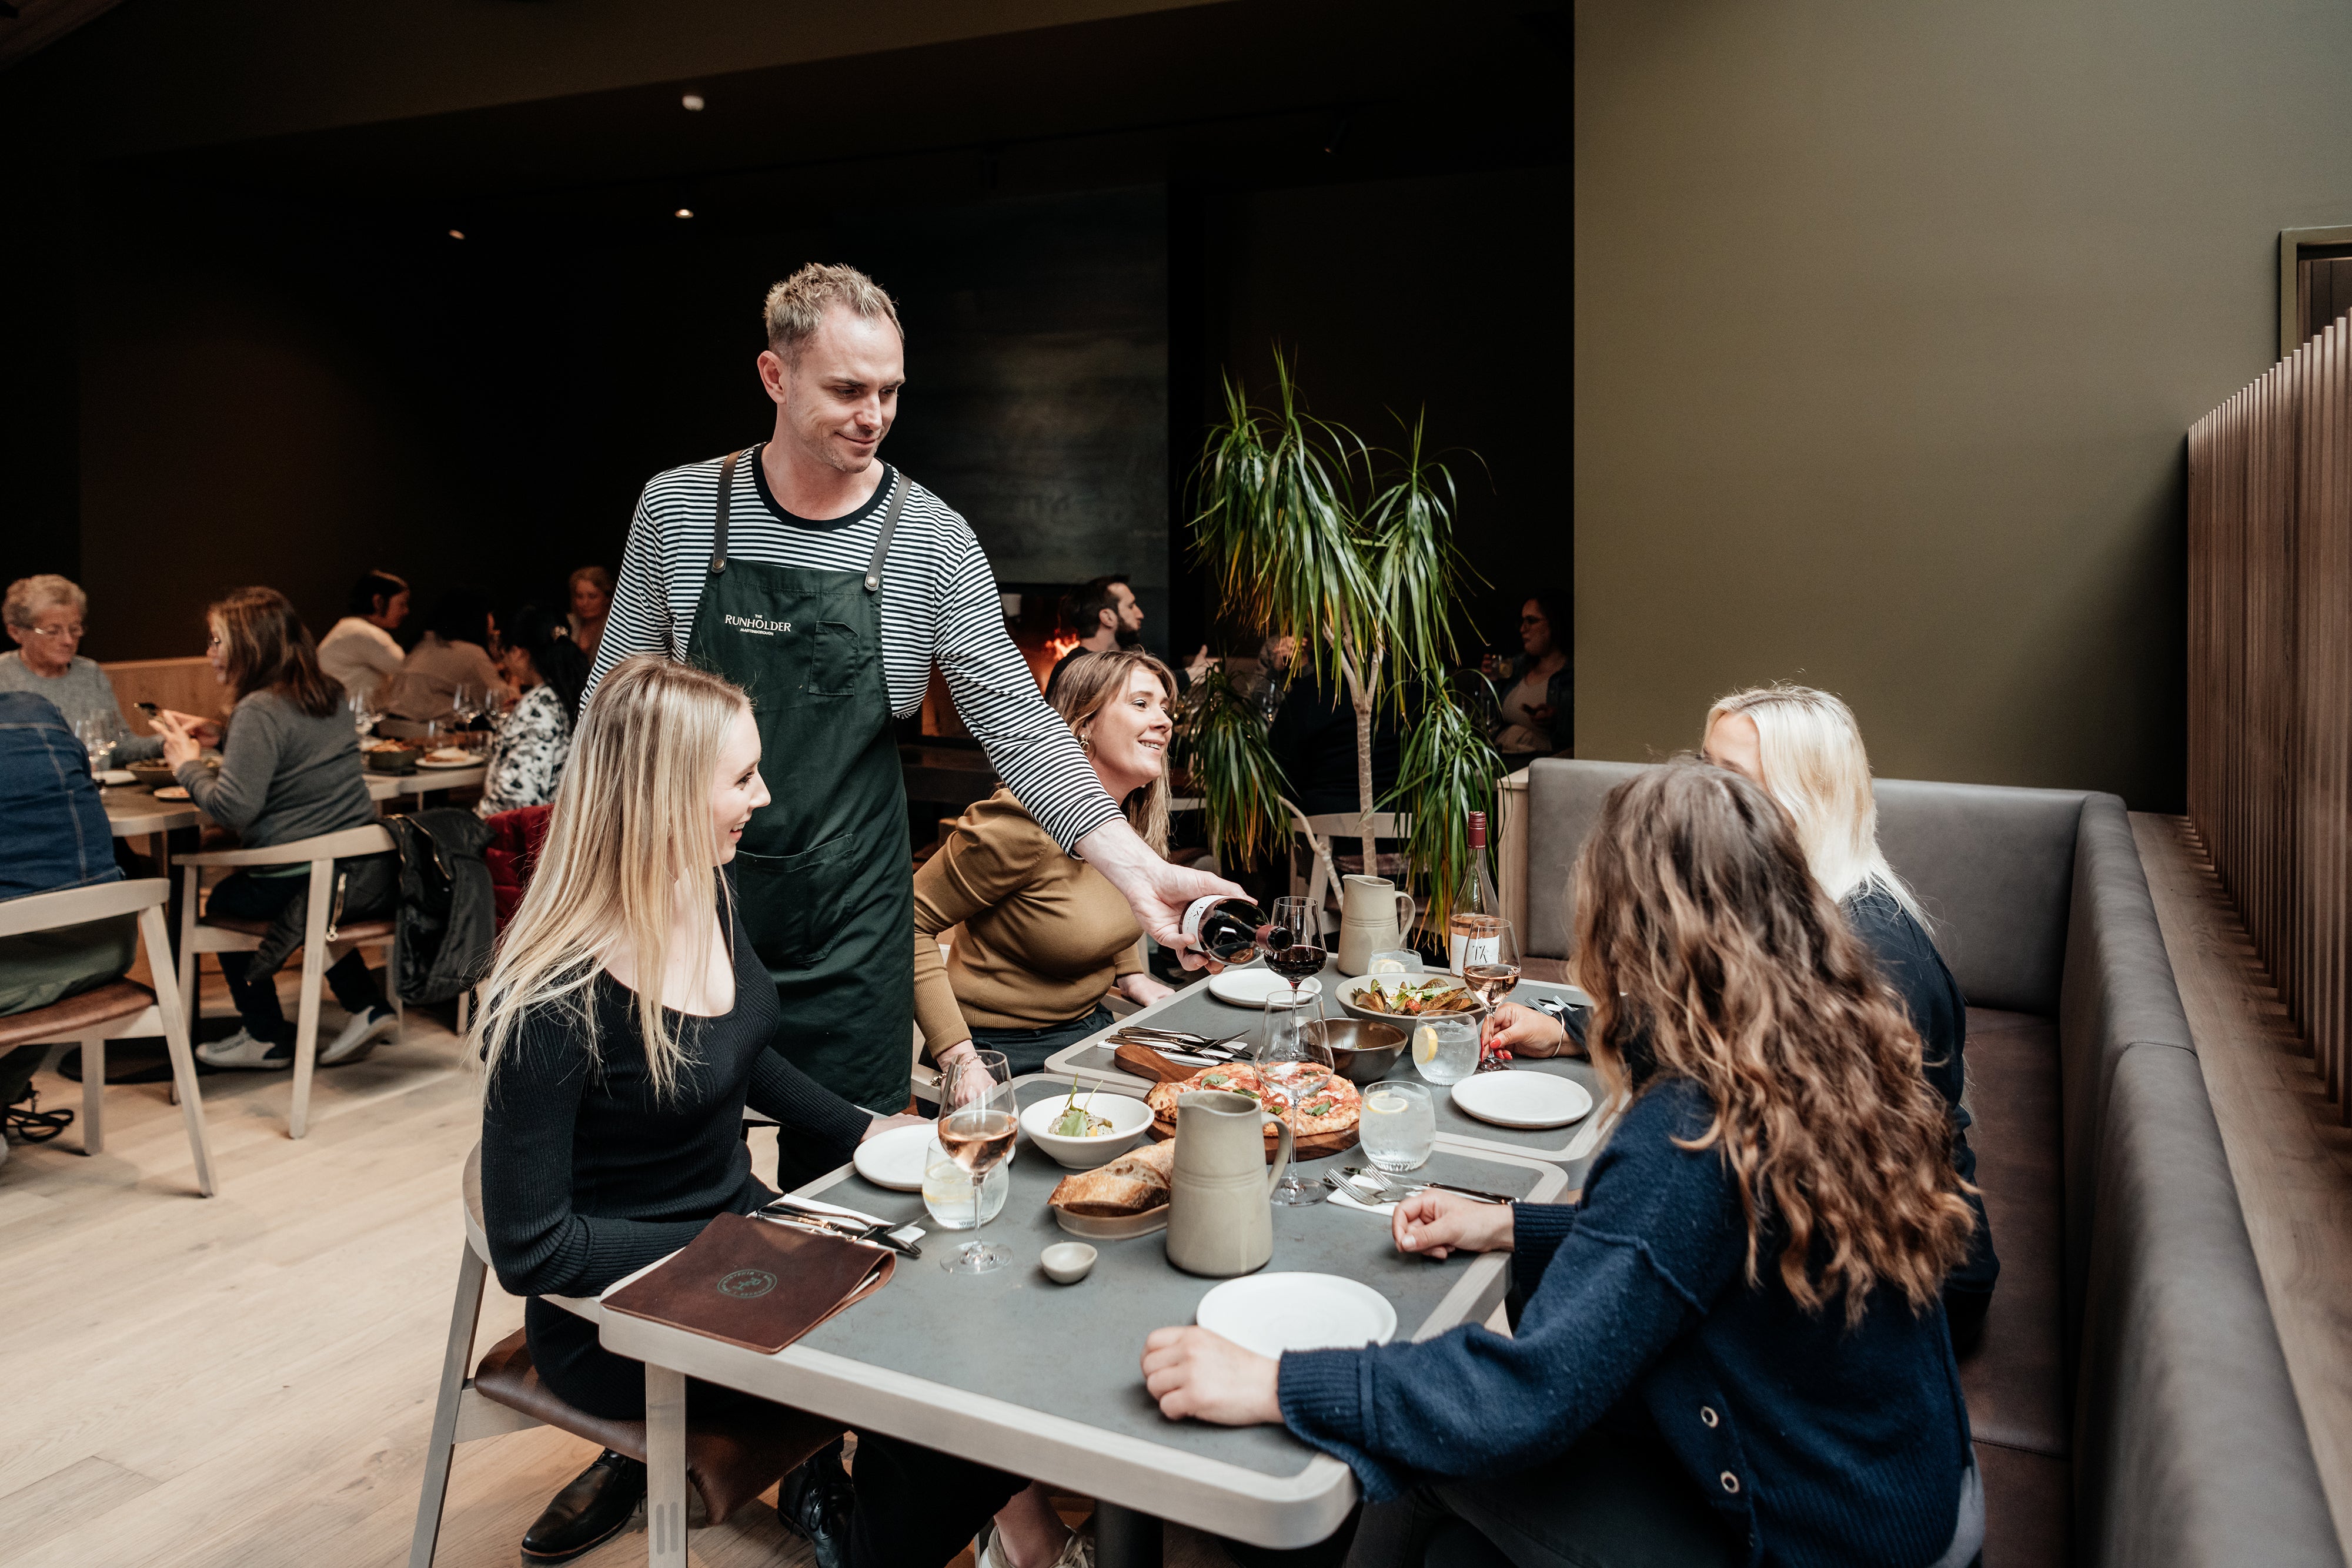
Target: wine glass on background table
97 738
1295 1065
1295 943
1490 967
979 1118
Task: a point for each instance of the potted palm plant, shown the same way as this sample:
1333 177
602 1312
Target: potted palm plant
1306 528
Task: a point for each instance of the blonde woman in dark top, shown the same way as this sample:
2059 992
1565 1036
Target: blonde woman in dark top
629 1022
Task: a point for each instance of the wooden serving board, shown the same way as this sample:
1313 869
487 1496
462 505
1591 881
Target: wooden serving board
1146 1062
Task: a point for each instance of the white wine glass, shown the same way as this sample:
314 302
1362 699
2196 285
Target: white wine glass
1294 1064
97 738
979 1118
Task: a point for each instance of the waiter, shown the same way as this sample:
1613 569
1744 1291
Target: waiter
826 584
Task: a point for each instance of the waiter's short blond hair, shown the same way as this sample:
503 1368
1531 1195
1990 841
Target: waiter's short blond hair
796 307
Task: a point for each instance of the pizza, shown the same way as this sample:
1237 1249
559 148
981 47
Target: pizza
1332 1107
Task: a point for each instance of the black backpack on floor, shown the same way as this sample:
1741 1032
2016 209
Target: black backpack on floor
449 915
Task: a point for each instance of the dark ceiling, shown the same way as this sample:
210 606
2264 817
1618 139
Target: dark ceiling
1247 94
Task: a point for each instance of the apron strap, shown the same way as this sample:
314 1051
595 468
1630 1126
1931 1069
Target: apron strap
725 500
882 540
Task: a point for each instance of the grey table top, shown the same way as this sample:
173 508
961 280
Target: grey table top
1047 1380
1196 1010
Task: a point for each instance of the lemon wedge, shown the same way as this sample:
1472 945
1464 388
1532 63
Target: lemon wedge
1424 1045
1384 1105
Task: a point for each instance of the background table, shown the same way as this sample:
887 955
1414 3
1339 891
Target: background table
1047 1380
1196 1010
426 781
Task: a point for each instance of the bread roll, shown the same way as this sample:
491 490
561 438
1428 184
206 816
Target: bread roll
1133 1183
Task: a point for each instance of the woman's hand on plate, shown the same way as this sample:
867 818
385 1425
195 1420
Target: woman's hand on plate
1432 1223
1206 1376
881 1125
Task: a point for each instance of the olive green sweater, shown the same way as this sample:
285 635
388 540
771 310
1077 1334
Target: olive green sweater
1045 936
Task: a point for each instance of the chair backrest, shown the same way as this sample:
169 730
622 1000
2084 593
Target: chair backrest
1992 866
76 905
340 845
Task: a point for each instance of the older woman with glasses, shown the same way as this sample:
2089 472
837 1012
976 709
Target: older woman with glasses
45 616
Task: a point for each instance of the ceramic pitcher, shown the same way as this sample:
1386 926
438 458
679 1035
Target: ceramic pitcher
1220 1208
1374 917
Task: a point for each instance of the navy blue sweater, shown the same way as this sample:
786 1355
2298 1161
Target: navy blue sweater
1819 1446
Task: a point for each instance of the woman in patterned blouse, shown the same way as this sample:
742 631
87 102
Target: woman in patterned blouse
527 754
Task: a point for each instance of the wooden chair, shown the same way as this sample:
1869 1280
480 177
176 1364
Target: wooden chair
120 1010
1322 886
730 1460
320 945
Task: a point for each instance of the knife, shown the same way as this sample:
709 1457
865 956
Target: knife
878 1233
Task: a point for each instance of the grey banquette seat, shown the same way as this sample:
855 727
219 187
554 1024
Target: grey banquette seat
2130 1402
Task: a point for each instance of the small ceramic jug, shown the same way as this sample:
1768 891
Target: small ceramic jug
1374 918
1219 1211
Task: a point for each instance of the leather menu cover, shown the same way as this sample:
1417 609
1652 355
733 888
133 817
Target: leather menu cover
756 1284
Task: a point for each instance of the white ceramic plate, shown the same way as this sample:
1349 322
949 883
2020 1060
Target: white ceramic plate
171 792
1517 1099
1352 988
1251 988
895 1159
118 776
1270 1314
428 762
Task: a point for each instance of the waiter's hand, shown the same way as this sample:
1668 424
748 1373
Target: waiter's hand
1158 893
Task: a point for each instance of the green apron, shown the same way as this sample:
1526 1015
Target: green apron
825 873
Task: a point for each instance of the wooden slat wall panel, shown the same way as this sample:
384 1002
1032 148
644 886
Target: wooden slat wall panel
2270 676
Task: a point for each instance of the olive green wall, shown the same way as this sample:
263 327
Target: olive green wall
1890 320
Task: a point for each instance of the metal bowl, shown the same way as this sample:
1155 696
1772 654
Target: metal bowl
1362 1050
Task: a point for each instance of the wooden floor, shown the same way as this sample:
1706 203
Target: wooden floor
2290 1153
247 1381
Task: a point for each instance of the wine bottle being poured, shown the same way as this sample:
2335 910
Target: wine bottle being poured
1230 930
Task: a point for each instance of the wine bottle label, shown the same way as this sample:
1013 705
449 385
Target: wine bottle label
1198 910
1468 950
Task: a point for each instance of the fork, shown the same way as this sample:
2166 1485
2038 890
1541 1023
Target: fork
1394 1188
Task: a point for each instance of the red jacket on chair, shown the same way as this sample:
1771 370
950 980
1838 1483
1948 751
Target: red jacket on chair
516 838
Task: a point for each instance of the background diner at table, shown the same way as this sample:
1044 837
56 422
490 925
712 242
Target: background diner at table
289 771
46 617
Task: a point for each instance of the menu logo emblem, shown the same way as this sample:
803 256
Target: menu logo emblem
758 626
745 1283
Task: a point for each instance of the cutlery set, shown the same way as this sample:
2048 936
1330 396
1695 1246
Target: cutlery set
1373 1184
1193 1049
854 1228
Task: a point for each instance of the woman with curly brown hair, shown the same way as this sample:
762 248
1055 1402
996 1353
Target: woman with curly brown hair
1733 1349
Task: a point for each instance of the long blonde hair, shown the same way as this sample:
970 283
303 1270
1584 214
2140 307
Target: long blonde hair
630 836
1712 955
1092 682
1814 764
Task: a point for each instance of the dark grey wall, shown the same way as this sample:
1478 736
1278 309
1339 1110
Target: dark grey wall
1890 320
280 395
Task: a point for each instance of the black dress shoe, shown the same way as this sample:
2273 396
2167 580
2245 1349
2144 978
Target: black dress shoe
814 1503
594 1507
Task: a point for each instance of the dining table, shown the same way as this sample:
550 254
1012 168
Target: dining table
1045 1380
1197 1009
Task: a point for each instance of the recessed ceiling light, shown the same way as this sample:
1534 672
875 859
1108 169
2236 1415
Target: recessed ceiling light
693 101
685 212
456 234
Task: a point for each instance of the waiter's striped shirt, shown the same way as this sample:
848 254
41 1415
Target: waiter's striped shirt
940 605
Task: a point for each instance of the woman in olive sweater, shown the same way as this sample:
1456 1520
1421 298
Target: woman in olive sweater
1733 1348
1044 937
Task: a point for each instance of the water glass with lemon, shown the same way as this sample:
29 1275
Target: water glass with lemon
1445 1050
1396 1126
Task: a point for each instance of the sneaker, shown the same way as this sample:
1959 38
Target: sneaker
359 1036
1078 1551
242 1050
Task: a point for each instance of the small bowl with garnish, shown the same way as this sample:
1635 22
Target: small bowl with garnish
1087 1127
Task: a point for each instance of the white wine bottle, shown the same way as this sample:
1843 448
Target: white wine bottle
1473 931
